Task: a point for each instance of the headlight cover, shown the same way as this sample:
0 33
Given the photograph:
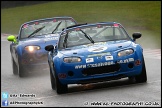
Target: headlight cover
32 48
125 52
72 59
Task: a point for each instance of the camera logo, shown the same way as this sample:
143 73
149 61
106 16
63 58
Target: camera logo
4 95
5 103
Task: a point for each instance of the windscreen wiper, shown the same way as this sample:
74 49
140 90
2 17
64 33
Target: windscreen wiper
37 30
87 36
56 27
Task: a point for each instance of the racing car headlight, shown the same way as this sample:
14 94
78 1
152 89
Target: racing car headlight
32 48
125 52
72 59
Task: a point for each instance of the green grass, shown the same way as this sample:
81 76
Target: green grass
142 16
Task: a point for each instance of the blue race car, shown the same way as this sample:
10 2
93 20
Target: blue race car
92 53
27 49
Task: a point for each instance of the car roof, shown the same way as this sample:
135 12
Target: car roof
91 24
61 17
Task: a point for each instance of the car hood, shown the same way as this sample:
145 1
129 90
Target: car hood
96 48
42 41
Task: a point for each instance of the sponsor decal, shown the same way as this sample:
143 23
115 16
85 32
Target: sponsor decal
50 35
36 23
90 65
54 20
25 25
77 29
126 60
33 40
98 43
116 25
80 66
94 65
100 64
51 38
131 59
99 57
109 57
97 49
99 26
88 60
99 54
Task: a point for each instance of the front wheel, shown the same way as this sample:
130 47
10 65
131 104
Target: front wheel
143 76
14 66
60 88
21 70
52 80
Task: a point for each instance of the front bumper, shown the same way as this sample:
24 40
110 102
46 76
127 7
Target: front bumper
34 61
99 77
39 67
110 70
34 58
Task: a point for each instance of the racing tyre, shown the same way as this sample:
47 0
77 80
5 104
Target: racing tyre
21 71
60 88
143 76
14 66
52 80
131 79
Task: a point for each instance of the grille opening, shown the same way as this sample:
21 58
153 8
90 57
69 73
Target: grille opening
101 70
130 65
70 73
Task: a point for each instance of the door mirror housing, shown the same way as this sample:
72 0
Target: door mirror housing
136 35
49 48
12 38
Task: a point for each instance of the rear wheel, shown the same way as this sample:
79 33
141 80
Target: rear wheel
143 76
14 66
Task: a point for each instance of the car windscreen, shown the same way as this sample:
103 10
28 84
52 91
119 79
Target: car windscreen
48 26
91 34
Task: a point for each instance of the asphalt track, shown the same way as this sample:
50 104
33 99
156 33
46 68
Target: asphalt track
106 94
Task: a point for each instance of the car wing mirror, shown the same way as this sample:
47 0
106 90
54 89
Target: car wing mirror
12 38
49 48
136 35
